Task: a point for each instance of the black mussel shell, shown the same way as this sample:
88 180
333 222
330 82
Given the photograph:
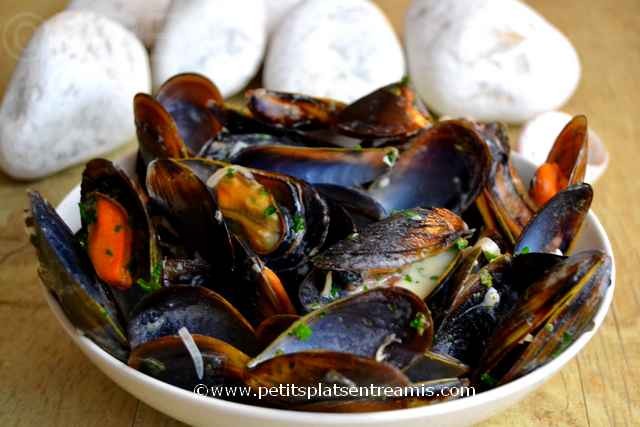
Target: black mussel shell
340 166
292 111
389 112
364 325
198 309
188 98
168 359
191 208
557 224
67 273
444 166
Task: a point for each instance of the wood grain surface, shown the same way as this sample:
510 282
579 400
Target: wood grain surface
45 380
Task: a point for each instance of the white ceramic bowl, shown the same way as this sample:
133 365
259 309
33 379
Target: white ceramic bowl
205 411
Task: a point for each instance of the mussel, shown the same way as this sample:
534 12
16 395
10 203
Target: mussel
118 234
553 312
305 242
413 249
445 165
66 271
566 163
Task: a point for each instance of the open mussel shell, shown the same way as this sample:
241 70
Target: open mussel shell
198 309
477 309
554 312
310 368
168 359
292 111
364 325
389 112
443 295
102 181
398 240
566 163
504 203
557 224
444 166
304 214
346 167
413 249
158 134
189 98
67 273
191 208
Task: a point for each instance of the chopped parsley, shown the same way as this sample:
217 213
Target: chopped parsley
567 339
152 366
391 157
88 211
298 223
485 278
153 284
488 379
279 352
269 210
411 214
434 278
461 243
549 327
490 256
335 291
419 323
358 147
230 172
524 250
408 278
405 80
264 192
302 331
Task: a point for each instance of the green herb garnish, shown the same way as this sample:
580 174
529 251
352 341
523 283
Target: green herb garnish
419 323
411 214
490 256
567 339
488 379
461 243
549 327
408 278
88 211
524 250
279 352
298 223
485 278
391 157
335 291
152 366
269 210
434 278
230 173
153 284
302 331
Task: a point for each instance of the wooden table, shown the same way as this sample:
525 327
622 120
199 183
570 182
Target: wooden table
45 380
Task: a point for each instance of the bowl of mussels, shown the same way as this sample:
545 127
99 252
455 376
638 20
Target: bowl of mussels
298 241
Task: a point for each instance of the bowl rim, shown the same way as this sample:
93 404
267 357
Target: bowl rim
528 381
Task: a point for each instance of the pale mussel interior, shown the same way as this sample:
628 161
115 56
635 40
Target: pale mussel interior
300 240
